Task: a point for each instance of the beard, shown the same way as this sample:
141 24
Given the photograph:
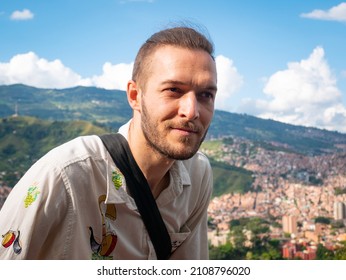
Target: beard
156 135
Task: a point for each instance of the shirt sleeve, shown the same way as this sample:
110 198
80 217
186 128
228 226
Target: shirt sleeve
195 247
32 214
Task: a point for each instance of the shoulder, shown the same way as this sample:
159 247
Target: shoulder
75 150
76 153
81 144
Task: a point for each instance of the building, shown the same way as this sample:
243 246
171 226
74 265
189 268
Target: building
289 224
339 210
289 250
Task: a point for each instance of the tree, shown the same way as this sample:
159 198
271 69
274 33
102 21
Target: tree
238 237
322 220
323 253
224 252
340 253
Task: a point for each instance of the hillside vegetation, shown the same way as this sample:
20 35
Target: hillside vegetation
230 179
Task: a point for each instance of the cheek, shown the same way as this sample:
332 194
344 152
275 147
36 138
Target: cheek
206 115
157 114
164 110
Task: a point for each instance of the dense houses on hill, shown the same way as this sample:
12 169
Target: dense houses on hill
292 190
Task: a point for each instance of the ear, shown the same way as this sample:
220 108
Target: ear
133 95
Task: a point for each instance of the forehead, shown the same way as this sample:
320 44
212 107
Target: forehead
171 62
168 53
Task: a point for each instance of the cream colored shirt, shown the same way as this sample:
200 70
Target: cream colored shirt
73 204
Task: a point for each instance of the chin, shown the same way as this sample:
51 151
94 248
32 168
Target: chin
183 153
180 156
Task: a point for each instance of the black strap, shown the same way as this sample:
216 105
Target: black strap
139 188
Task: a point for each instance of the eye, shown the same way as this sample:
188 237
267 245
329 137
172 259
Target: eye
206 95
174 89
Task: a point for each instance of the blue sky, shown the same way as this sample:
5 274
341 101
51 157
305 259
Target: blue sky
283 60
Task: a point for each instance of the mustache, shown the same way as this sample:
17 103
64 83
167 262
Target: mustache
185 125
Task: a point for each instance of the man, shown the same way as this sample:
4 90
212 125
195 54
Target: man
74 204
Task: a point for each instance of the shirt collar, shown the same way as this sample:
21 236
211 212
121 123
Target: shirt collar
181 172
124 129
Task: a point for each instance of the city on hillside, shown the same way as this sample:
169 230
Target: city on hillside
300 198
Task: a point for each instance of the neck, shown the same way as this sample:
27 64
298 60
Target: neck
154 166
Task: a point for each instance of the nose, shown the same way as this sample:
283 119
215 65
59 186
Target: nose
188 106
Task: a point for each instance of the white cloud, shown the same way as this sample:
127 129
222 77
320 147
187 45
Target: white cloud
337 13
228 82
31 70
34 71
22 15
113 76
305 93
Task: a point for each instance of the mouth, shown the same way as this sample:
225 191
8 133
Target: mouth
185 131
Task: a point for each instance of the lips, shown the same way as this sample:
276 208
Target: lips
186 127
185 133
186 130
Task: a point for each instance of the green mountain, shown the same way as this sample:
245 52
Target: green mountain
297 139
110 108
78 103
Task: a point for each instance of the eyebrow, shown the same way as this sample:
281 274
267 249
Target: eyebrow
175 82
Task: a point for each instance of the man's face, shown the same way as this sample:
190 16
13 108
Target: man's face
177 103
